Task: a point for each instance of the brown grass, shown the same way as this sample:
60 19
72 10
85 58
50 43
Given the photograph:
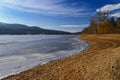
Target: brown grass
100 62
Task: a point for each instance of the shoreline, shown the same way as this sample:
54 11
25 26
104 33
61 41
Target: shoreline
40 59
101 61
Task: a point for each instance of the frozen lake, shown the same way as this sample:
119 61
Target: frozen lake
22 52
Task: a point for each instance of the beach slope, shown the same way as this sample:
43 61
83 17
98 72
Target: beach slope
101 61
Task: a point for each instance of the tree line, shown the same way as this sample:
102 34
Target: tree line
102 23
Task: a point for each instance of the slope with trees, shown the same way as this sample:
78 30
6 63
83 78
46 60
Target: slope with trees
102 23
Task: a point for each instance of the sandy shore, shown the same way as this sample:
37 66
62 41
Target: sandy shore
100 62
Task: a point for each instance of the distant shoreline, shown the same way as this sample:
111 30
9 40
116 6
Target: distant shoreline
100 61
21 29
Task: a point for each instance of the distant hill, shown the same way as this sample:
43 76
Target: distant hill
24 29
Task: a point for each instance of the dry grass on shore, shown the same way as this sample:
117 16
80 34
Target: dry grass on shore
100 62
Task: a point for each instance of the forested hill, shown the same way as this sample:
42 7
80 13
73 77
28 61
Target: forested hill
24 29
102 23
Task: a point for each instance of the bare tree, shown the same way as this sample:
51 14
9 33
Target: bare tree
97 19
101 16
93 24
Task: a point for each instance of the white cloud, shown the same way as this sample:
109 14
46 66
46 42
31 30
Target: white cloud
116 14
75 26
69 27
51 7
109 7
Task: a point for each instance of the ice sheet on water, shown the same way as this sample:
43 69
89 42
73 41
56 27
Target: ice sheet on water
29 51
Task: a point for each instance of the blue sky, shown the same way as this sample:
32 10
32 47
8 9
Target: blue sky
67 15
